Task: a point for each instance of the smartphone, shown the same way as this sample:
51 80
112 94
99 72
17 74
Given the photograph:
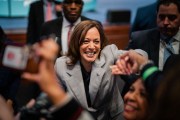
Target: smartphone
15 57
20 58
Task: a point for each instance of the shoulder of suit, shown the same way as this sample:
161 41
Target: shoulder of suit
145 31
62 59
145 35
109 48
149 7
147 10
55 21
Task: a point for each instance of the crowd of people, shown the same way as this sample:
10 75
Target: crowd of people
82 77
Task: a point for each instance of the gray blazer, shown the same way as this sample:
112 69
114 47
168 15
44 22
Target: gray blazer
106 99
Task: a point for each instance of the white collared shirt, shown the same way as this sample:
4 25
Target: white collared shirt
175 45
64 34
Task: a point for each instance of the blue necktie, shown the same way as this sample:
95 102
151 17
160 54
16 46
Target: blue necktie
168 50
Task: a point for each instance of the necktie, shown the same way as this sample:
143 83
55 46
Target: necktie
48 12
168 50
69 33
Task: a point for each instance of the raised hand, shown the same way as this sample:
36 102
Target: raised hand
128 63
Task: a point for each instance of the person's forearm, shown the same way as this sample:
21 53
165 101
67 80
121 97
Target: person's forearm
56 95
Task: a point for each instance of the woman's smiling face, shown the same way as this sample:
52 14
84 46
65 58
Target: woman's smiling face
90 47
135 102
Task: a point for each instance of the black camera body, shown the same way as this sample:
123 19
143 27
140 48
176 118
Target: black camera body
39 110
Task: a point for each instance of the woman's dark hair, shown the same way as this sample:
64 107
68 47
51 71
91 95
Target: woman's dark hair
78 36
129 80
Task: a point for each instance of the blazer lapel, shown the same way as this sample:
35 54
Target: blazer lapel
96 78
76 84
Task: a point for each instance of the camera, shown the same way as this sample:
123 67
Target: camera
20 57
39 110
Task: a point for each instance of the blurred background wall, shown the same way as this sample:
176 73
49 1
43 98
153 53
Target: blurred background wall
13 13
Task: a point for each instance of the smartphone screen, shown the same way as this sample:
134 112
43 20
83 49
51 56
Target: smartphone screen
15 57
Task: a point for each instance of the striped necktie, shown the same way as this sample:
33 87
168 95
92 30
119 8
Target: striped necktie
49 11
168 49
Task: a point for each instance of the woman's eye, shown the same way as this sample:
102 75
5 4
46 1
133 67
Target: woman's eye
85 42
131 89
96 42
143 94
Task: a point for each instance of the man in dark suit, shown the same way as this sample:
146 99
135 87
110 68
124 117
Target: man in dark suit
37 16
145 18
156 41
59 27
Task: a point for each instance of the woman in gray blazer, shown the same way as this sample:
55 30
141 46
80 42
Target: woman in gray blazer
86 74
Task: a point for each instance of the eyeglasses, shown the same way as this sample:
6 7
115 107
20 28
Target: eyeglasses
79 2
170 17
